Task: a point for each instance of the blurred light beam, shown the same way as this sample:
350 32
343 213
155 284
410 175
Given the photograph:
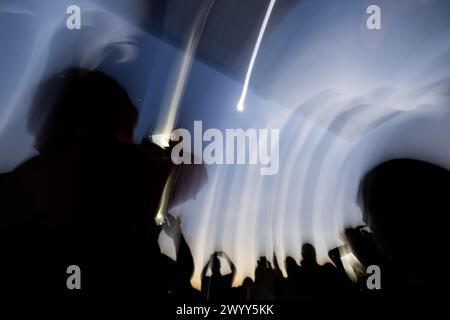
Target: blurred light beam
240 105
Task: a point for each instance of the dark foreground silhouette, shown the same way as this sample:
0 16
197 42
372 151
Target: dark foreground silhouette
90 196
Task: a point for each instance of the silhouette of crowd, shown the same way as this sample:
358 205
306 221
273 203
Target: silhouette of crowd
90 196
305 281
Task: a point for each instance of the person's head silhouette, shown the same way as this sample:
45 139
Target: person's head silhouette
403 202
81 107
291 266
308 254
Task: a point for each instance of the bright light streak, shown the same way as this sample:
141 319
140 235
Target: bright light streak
161 140
352 265
240 105
167 117
165 197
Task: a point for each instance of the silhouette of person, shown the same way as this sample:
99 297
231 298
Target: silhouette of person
180 287
292 282
265 282
309 273
88 198
217 287
246 289
404 202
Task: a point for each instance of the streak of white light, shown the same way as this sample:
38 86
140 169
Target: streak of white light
167 118
164 201
240 105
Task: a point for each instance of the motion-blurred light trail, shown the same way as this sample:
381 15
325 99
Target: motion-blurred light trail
167 117
240 105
